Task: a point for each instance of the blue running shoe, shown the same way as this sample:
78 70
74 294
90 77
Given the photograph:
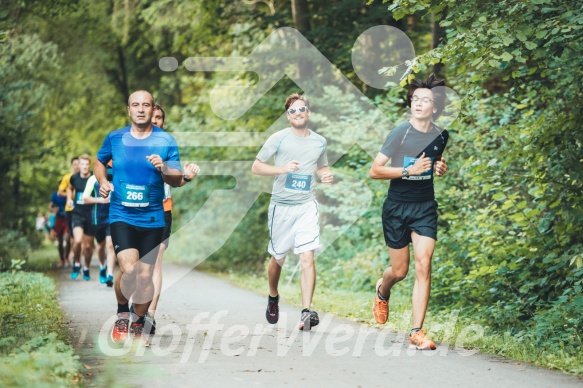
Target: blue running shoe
103 275
86 274
109 281
75 273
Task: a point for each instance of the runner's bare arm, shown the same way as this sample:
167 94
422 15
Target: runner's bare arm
325 175
100 171
191 170
378 170
94 200
440 166
70 195
172 176
264 169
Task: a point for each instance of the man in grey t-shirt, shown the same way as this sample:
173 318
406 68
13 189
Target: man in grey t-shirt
299 154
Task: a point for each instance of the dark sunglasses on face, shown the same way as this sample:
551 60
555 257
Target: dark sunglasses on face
301 109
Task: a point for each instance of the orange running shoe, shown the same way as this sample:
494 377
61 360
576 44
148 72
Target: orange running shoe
119 334
380 308
420 341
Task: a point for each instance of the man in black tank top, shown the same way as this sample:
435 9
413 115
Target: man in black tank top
415 149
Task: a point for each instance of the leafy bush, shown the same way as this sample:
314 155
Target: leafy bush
42 361
13 246
32 347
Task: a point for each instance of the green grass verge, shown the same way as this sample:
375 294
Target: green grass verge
444 327
43 259
33 348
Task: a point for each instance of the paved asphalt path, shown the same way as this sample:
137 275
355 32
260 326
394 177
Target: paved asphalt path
211 333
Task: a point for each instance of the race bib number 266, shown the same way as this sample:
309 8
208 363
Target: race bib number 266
135 195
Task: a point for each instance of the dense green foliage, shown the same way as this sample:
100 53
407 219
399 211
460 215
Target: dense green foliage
32 351
512 246
510 240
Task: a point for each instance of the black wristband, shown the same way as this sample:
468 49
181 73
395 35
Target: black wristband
185 178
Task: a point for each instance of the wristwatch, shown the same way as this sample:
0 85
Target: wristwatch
185 178
405 173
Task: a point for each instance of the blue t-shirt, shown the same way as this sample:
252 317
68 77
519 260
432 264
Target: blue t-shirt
138 186
60 203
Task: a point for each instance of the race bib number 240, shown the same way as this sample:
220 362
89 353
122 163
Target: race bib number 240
298 183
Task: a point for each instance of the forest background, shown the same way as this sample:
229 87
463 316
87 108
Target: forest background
510 252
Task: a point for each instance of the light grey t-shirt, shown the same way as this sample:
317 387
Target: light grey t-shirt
294 188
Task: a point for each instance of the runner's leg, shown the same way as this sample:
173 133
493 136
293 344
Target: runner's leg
423 251
308 278
125 282
157 279
87 249
273 274
110 255
397 271
77 244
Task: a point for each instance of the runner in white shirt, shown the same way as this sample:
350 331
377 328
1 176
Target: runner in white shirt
298 154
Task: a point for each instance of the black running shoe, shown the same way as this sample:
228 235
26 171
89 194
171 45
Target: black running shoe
272 312
308 320
149 323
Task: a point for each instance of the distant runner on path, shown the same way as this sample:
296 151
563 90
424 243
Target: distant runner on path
81 221
63 186
61 231
100 221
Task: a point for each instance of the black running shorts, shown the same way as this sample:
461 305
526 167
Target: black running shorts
69 216
101 232
402 218
145 240
83 221
167 228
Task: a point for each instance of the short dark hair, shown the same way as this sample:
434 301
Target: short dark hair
293 98
157 106
74 158
431 82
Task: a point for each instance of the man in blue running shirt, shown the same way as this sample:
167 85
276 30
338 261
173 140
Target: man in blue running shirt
144 157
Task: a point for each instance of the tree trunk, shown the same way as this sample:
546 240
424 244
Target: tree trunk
437 37
123 79
301 15
301 18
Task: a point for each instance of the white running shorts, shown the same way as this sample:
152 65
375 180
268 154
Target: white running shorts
294 227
